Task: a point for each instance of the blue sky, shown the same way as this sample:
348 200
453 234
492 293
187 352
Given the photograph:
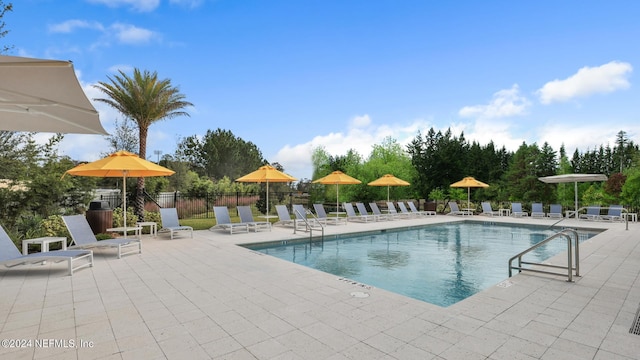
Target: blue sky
290 76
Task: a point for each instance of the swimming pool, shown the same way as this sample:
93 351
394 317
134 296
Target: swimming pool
440 264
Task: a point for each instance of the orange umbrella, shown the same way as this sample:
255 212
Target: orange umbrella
469 182
121 164
388 180
266 174
337 178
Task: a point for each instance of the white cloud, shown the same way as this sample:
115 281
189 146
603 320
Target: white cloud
138 5
587 81
360 136
130 34
505 103
71 25
360 121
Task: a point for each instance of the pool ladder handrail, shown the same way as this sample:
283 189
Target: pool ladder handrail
566 233
308 226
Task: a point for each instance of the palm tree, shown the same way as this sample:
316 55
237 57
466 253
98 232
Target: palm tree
145 99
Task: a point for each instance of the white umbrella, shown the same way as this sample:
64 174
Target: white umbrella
44 96
574 178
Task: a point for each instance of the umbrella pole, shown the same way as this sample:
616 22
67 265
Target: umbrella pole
337 200
124 202
388 193
267 200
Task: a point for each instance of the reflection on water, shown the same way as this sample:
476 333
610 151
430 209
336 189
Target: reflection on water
388 259
441 264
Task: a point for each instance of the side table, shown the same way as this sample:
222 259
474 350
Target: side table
153 227
44 243
136 229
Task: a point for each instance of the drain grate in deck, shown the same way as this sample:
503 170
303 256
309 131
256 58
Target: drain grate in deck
635 327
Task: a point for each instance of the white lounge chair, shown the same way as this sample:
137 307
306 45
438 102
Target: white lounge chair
455 210
415 210
555 211
376 211
613 214
405 211
246 217
362 211
10 256
393 212
487 210
284 218
516 210
593 213
83 237
223 221
300 212
537 210
170 222
353 216
321 214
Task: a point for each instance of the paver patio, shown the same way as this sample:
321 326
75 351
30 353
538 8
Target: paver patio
206 298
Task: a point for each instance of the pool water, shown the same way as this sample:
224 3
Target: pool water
440 264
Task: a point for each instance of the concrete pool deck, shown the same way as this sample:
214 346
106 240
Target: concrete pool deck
206 298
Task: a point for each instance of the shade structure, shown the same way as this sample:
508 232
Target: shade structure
469 182
388 180
338 178
266 174
575 179
121 164
40 95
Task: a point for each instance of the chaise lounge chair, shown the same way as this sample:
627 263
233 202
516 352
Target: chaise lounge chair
362 211
455 210
83 237
353 216
405 212
593 213
537 210
613 214
223 221
393 212
555 211
284 219
415 210
300 212
516 210
376 211
321 214
487 210
10 256
170 222
246 217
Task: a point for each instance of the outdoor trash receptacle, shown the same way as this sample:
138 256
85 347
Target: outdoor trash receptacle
99 216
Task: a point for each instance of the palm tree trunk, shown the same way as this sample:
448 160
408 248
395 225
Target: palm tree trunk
139 207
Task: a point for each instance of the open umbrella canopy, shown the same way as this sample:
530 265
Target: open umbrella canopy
121 164
388 180
469 182
338 178
118 164
266 174
575 179
44 96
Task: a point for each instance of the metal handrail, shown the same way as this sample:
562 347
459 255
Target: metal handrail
570 268
308 226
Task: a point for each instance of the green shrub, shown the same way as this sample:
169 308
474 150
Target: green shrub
54 226
118 220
